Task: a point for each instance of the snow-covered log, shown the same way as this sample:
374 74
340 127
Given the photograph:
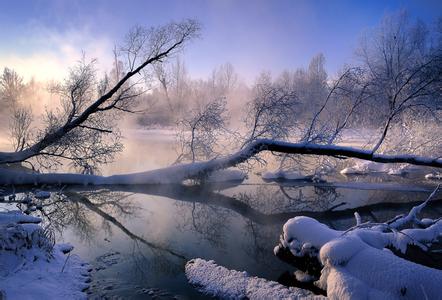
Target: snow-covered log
360 263
222 283
181 172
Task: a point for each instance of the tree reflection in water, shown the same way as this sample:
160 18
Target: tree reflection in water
207 212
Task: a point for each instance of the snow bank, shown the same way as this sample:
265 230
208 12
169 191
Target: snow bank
31 267
365 167
404 169
219 282
302 233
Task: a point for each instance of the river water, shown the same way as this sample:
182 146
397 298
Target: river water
139 238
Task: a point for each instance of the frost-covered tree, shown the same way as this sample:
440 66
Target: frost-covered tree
20 127
271 111
11 88
224 79
201 130
83 129
403 69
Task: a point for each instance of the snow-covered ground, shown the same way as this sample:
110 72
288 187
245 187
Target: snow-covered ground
32 267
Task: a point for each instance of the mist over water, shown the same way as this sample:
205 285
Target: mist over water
109 120
237 227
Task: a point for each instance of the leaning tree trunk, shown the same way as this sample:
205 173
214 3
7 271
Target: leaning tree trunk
178 173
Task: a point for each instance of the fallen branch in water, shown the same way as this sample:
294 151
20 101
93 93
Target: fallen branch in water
179 173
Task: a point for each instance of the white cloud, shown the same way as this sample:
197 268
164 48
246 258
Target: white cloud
50 53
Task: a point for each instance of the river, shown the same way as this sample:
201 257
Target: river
139 238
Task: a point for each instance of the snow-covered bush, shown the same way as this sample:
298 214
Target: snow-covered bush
21 238
32 266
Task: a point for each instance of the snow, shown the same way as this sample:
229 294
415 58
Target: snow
178 173
399 171
303 277
220 282
162 133
309 231
16 216
354 270
434 176
357 264
366 167
31 267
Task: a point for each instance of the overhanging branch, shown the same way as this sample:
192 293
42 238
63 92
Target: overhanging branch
178 173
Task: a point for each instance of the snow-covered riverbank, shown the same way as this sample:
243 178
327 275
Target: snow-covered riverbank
33 267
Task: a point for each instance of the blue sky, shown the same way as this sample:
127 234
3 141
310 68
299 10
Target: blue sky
42 38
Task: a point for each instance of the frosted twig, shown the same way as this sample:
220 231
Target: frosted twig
412 215
358 218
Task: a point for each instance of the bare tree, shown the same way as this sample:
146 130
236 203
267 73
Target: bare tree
89 105
271 113
164 79
403 69
339 107
20 128
224 79
201 129
11 88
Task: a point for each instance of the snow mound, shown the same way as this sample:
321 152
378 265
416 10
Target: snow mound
32 267
309 231
434 176
403 169
365 167
219 282
397 171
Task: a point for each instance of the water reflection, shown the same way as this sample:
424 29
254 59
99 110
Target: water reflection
207 221
138 232
118 207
